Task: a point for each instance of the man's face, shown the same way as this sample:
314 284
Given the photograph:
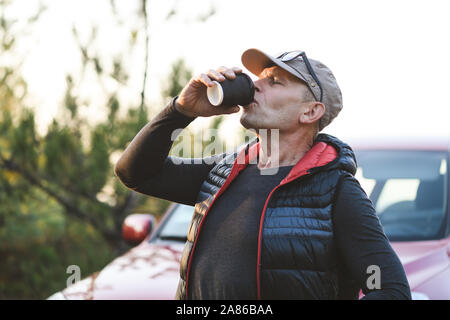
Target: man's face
277 105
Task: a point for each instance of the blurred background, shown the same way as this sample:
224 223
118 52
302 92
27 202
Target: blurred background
79 79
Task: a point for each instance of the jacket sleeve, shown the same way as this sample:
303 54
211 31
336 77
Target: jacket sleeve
364 247
145 166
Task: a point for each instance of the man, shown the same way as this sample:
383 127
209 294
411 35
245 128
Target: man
305 231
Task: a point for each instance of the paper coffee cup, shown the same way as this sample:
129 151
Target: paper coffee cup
228 93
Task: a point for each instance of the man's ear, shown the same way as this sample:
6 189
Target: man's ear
311 112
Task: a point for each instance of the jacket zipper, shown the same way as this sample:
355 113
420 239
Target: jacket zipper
258 266
261 222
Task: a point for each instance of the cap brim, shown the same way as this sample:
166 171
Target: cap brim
256 61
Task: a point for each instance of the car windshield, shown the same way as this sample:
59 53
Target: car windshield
176 225
408 190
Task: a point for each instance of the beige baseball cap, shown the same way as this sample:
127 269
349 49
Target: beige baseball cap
256 60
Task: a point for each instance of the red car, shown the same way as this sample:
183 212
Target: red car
407 181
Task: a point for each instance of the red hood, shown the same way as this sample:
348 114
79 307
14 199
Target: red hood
422 259
148 271
319 155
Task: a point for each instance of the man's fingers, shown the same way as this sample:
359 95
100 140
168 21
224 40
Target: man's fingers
203 78
230 73
218 75
222 69
213 74
237 70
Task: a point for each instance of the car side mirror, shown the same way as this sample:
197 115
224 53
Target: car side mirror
136 227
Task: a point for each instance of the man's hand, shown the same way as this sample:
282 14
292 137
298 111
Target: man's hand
193 101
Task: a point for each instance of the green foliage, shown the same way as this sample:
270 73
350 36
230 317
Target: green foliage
63 153
60 202
38 243
178 78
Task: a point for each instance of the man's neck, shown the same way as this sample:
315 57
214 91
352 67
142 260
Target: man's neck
283 149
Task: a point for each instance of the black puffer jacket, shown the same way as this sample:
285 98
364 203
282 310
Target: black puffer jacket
296 252
297 243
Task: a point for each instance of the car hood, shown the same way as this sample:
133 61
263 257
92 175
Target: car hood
148 271
151 271
422 259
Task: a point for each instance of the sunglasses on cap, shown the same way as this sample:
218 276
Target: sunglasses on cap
291 55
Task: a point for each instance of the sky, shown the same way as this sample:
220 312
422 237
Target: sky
390 58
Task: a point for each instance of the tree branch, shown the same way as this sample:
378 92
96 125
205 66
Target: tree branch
147 43
110 235
125 208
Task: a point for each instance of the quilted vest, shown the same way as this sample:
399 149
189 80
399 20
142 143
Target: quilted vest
297 257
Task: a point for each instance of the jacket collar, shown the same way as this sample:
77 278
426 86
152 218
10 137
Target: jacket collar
328 152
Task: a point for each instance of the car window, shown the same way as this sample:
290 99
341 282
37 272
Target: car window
176 225
408 190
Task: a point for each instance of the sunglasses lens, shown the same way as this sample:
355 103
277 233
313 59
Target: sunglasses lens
290 56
